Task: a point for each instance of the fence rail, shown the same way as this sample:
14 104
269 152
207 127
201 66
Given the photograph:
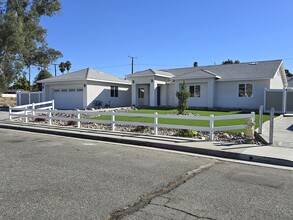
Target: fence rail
34 111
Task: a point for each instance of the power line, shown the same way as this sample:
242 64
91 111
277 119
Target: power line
103 67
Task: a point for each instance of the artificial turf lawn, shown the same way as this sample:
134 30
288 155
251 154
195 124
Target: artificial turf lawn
201 123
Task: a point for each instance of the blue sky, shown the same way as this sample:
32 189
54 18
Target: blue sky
170 33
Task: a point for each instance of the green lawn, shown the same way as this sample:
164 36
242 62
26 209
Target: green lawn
185 121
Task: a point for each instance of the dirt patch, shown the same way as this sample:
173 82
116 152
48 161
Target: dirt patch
7 101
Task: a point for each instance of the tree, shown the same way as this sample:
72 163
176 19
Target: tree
43 74
288 74
62 67
21 35
68 65
182 97
195 64
22 83
230 62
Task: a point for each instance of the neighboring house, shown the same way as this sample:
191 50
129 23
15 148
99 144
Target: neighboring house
238 86
87 88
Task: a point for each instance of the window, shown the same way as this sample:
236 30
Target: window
79 90
141 93
114 91
245 90
56 90
71 90
63 90
194 91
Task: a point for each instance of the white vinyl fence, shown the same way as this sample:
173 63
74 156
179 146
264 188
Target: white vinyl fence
25 98
279 99
30 111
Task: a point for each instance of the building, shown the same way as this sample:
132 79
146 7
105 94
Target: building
239 86
87 88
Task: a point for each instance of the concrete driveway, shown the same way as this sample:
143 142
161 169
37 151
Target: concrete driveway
283 132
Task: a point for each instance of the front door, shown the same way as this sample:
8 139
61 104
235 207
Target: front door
141 96
158 96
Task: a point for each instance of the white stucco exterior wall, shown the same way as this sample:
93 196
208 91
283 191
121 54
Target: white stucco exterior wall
276 82
226 95
207 90
170 94
99 91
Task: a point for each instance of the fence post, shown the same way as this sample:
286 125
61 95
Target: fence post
271 135
156 123
212 127
26 118
78 119
265 100
33 108
53 104
284 101
113 120
10 111
29 97
19 98
260 119
50 117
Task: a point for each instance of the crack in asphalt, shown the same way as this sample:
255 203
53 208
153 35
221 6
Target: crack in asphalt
185 212
146 199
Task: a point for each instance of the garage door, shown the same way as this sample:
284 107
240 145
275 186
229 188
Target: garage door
68 98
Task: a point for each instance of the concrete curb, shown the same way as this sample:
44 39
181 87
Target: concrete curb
144 142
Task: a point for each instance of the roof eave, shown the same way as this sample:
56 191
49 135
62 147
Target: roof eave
109 81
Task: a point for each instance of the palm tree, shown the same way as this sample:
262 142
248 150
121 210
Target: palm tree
62 67
68 65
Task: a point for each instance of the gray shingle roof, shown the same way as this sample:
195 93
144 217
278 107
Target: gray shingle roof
245 71
151 72
86 74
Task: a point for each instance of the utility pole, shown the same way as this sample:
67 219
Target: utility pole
132 63
55 64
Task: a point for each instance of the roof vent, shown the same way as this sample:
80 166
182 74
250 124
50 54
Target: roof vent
253 63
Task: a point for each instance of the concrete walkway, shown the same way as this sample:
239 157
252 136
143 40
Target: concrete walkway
249 152
283 132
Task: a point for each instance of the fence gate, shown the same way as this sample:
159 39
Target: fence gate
25 98
279 99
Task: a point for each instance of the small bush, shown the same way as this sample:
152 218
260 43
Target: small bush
71 123
186 133
39 119
142 129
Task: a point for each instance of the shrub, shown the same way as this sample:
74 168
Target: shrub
142 129
71 123
186 133
182 96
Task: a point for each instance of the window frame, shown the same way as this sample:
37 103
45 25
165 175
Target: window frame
114 91
141 92
246 88
195 94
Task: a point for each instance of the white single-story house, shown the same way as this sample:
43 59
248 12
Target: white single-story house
87 88
240 86
237 86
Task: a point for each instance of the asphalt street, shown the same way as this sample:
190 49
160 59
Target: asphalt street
50 177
